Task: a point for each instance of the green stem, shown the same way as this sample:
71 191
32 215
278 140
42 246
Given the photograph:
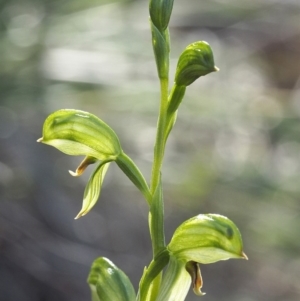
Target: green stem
161 47
156 221
159 148
134 174
157 236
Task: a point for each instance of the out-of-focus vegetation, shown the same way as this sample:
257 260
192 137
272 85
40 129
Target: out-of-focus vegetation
237 142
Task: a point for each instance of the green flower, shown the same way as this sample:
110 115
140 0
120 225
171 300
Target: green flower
207 238
76 133
204 239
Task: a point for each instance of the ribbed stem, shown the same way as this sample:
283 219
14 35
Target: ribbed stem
159 148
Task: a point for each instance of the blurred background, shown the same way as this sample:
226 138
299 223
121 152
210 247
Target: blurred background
235 149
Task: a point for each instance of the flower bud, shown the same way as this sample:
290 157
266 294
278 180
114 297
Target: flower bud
108 282
160 13
195 61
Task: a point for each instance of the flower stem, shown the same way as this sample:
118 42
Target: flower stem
158 236
159 148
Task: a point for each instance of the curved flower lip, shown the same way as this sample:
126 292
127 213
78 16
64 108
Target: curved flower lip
82 166
194 270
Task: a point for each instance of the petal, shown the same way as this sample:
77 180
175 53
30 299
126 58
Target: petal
77 132
193 269
93 188
207 238
82 166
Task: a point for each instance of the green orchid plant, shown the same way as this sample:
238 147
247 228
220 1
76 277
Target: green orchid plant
203 239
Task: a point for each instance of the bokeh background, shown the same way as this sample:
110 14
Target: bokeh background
235 149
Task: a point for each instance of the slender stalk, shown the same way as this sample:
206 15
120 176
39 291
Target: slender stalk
160 13
159 148
156 220
134 174
157 237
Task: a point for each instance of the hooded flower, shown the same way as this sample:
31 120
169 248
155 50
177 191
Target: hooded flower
204 239
76 133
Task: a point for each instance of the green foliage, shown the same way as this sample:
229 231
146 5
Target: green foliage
204 239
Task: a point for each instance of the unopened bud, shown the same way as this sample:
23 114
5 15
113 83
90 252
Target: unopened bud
160 13
195 61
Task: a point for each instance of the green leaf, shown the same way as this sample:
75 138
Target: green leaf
160 13
93 188
195 61
77 132
207 238
109 282
151 273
